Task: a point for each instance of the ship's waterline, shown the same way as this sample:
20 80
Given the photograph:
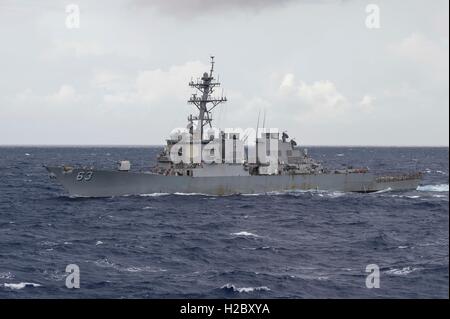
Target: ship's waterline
104 183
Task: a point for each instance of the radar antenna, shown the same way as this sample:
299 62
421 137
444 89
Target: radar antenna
205 103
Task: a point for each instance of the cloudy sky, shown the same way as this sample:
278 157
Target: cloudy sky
314 68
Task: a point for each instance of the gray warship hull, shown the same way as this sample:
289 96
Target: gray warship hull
219 162
105 183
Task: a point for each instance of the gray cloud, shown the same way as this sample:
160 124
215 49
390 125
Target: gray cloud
200 7
121 78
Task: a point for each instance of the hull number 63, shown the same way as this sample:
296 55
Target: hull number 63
82 175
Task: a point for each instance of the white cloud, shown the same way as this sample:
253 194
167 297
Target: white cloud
323 97
287 85
65 94
430 56
197 7
106 79
151 86
320 100
367 103
126 68
75 48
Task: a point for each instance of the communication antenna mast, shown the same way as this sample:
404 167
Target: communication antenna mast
205 103
256 138
264 119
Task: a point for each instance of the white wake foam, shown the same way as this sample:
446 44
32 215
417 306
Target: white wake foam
433 188
401 272
6 275
154 194
21 285
383 191
245 234
244 289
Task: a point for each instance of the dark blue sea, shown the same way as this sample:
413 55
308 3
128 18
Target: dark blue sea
309 244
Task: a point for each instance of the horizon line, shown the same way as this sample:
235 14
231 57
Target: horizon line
159 145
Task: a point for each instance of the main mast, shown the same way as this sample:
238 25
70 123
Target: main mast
205 103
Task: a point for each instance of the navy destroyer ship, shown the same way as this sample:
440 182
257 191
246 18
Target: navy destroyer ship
204 160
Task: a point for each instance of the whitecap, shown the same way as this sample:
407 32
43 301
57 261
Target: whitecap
154 194
245 234
21 285
336 194
401 272
6 275
105 263
144 269
27 154
433 188
383 190
99 242
244 289
192 194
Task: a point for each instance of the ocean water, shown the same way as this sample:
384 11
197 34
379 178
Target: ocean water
308 244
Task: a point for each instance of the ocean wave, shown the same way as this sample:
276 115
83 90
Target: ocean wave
244 234
21 285
6 275
143 269
383 191
433 188
233 288
154 194
192 194
105 263
54 275
257 248
401 272
335 194
314 192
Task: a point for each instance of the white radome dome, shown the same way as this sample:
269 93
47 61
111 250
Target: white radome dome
177 132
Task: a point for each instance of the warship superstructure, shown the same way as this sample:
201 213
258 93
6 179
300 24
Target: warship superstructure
202 159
